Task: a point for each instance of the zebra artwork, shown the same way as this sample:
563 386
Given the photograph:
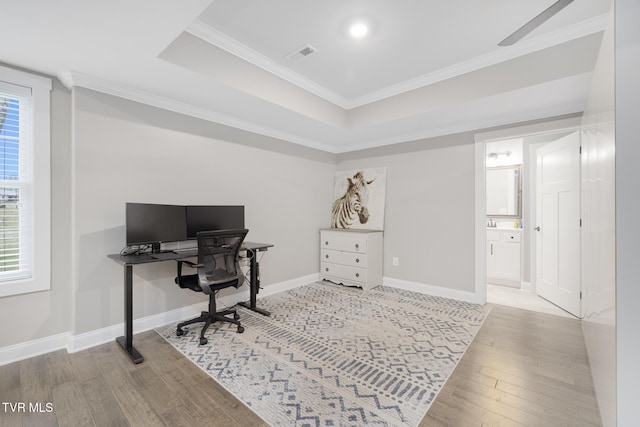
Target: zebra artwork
352 204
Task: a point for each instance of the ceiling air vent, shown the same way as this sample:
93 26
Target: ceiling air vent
302 53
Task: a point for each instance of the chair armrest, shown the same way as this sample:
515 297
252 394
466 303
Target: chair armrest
189 263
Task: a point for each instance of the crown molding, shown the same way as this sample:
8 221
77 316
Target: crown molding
524 47
66 78
77 79
223 41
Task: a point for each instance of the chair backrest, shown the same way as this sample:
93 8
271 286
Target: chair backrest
218 256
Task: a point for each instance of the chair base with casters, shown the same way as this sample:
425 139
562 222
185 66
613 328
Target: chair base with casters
209 317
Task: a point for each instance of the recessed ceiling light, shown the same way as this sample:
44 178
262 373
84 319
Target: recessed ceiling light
358 30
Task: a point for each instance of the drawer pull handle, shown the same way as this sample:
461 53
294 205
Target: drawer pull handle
357 259
357 274
327 256
326 269
357 246
326 243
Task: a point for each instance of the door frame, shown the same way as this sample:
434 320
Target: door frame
481 139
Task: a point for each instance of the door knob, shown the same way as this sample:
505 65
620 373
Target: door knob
537 228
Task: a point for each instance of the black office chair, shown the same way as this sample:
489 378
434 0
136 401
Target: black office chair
217 268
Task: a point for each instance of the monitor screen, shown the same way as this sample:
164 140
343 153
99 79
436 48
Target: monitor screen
151 223
208 218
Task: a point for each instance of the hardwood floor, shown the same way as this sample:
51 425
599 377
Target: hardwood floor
523 368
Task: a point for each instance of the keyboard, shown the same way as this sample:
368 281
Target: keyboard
164 255
186 251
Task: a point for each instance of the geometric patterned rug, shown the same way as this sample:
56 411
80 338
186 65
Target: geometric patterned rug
331 355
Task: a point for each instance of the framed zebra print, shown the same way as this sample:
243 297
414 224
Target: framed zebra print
359 198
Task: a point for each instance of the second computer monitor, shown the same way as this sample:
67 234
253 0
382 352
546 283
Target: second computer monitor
207 218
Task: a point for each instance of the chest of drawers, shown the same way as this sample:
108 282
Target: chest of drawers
351 257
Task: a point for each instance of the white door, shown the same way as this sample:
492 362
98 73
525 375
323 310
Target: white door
558 222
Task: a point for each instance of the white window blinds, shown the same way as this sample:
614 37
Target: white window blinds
25 182
16 225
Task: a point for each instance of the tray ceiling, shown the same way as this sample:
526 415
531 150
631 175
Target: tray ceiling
423 69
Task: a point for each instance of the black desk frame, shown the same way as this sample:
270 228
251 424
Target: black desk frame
128 261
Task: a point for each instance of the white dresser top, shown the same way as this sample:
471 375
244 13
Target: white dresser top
351 230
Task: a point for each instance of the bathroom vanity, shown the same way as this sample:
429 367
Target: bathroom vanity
504 256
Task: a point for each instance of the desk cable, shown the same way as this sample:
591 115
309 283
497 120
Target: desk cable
247 270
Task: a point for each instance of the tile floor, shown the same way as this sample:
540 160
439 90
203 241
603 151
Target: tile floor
514 297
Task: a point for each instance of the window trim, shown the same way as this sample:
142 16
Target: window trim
41 187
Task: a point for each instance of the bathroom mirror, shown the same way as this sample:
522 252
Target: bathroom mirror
504 191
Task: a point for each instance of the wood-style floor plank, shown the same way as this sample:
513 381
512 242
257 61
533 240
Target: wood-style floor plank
103 405
522 369
71 407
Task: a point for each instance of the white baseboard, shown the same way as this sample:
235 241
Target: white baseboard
437 291
101 336
110 333
74 343
289 284
14 353
527 287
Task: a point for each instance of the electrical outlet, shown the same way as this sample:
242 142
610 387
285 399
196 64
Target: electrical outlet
395 261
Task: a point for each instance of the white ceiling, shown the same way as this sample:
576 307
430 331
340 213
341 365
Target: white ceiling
426 68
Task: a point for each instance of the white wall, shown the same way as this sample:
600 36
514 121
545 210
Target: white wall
429 214
627 129
611 202
598 231
128 152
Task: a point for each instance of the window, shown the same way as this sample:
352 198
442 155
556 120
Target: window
24 182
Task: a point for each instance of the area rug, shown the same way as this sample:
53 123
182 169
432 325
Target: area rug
331 355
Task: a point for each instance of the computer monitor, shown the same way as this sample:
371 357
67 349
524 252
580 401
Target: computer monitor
207 218
151 224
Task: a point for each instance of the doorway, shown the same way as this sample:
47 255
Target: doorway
510 239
